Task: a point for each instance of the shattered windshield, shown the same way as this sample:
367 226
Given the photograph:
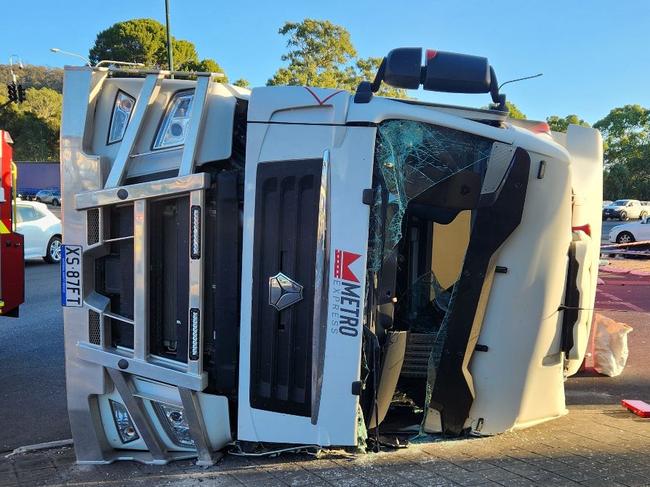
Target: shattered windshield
411 158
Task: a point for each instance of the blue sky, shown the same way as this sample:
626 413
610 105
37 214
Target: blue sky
595 54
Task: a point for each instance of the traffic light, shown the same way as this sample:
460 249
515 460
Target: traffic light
12 92
22 96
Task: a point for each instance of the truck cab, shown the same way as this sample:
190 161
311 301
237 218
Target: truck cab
279 265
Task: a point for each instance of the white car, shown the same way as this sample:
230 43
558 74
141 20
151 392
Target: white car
41 230
630 232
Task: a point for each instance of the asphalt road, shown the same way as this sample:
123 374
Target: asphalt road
626 299
32 392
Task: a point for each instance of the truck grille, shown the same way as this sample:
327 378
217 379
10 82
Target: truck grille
92 221
286 223
94 332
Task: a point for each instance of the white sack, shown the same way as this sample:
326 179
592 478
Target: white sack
610 346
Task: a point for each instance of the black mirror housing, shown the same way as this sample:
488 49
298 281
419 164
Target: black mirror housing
403 68
443 71
456 73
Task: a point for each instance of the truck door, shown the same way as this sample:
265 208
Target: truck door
303 285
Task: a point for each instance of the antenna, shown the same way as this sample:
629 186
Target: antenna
520 79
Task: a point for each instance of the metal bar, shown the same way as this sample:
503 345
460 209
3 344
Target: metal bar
191 144
151 189
148 94
135 407
118 239
170 51
163 72
630 244
157 151
117 317
198 431
140 280
321 288
109 358
196 283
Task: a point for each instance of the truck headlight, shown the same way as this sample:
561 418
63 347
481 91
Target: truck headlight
123 423
122 109
174 423
174 126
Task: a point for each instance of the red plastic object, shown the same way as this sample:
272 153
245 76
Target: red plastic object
639 408
12 264
12 274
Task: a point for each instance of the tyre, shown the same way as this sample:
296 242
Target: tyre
643 215
622 216
624 238
53 253
55 202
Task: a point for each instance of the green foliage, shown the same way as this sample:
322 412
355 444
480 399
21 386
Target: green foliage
626 131
561 124
137 40
514 111
321 54
34 125
33 76
626 134
145 41
207 66
318 54
243 83
184 54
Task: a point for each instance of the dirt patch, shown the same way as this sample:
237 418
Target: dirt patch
621 265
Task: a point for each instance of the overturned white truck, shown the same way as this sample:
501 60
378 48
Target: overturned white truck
294 265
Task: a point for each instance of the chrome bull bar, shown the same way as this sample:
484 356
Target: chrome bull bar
120 363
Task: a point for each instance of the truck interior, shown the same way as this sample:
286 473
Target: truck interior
429 184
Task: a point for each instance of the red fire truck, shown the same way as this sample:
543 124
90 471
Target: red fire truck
12 267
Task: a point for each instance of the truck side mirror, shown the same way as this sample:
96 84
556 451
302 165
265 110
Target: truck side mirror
456 73
403 68
443 71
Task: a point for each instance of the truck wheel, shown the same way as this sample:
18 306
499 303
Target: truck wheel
53 254
643 215
623 216
624 238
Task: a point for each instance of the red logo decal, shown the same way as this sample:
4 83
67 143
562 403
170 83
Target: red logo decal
342 262
317 98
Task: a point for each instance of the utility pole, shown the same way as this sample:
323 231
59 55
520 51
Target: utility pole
170 54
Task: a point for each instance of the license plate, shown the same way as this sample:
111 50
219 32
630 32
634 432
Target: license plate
71 276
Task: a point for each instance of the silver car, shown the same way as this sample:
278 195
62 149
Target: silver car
49 196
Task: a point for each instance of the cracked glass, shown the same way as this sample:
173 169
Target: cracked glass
411 158
435 173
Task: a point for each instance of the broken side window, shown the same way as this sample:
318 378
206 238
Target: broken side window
432 186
